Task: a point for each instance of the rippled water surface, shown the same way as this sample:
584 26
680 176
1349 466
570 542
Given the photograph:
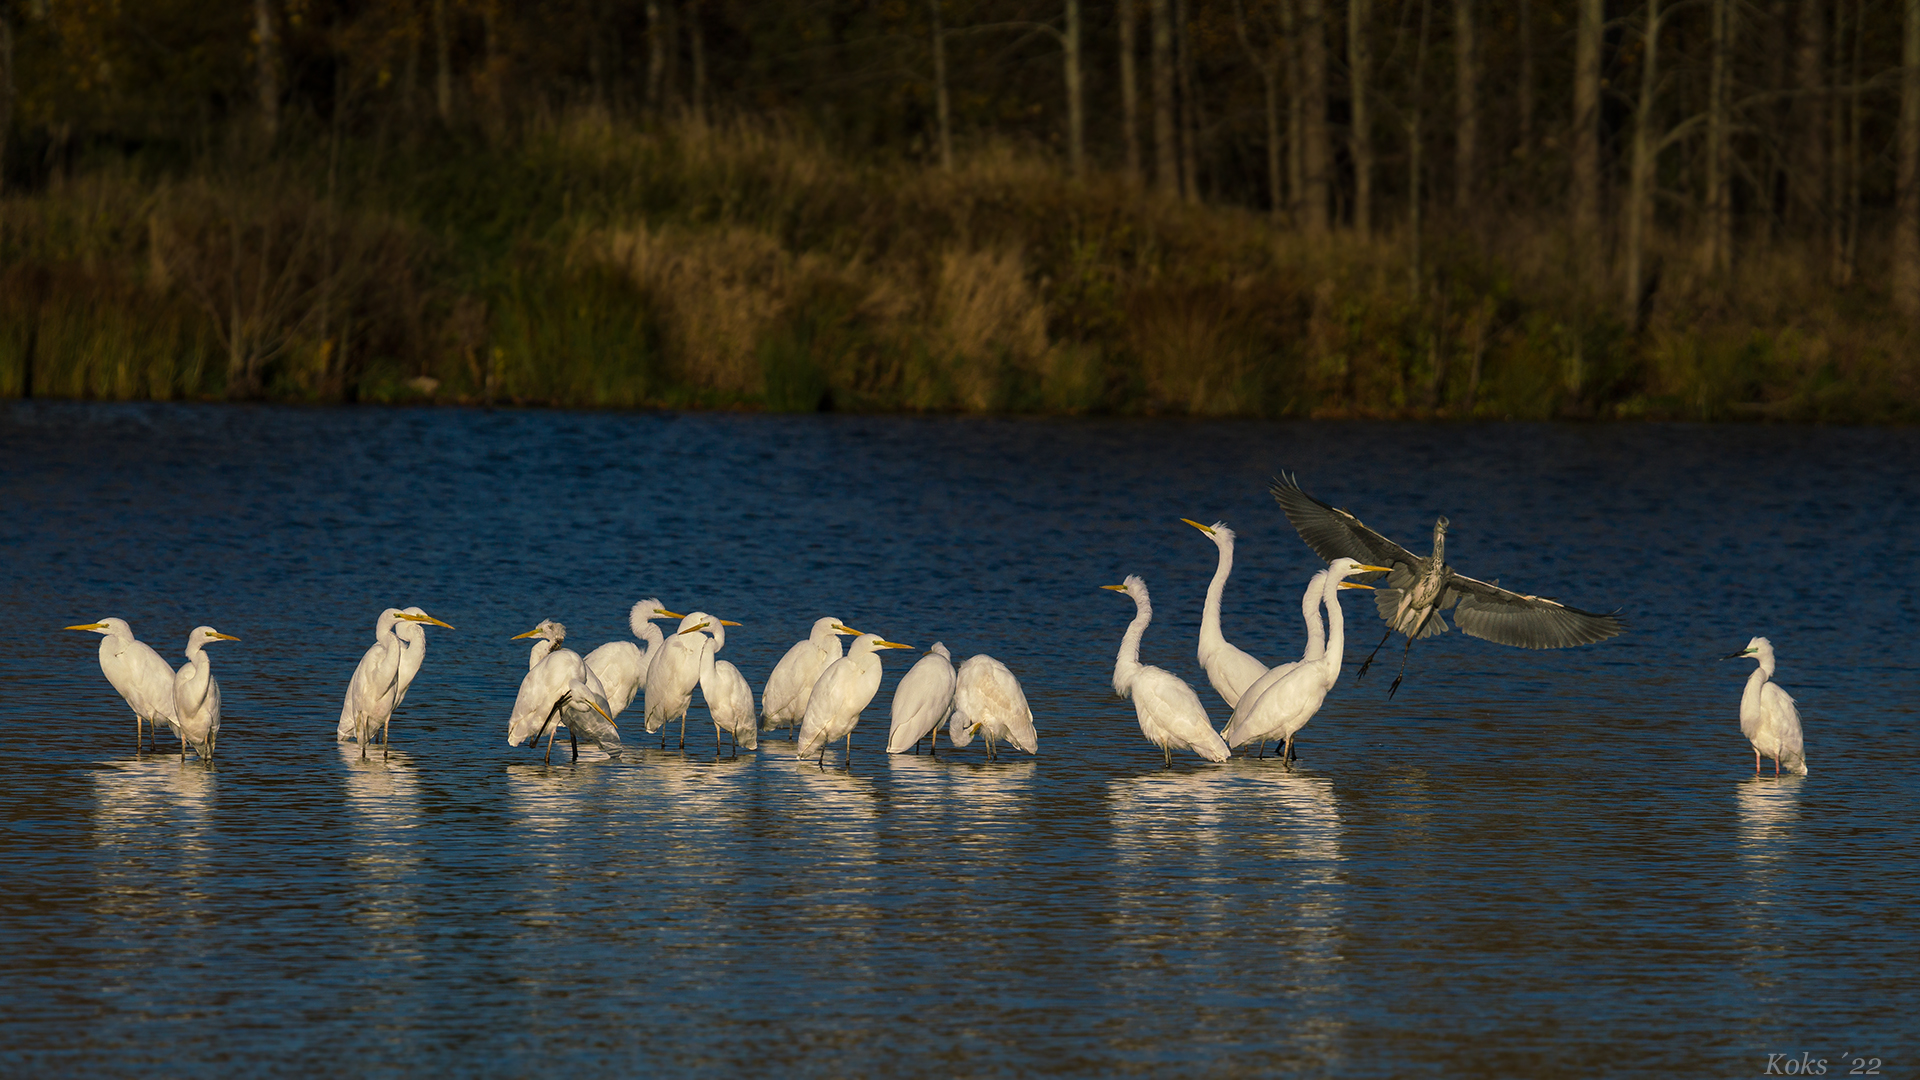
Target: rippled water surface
1525 864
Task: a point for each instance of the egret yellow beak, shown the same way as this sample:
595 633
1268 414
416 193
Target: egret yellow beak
224 637
1203 528
663 613
1354 585
1374 569
842 629
696 629
535 632
1122 588
728 622
598 709
890 645
88 626
423 618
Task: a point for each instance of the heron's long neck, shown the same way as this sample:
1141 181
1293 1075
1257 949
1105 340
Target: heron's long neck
1126 666
1210 615
1310 602
1336 630
1439 545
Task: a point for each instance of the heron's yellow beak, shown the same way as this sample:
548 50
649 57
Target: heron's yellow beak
890 645
1373 569
1122 588
1203 528
696 629
89 626
728 622
424 618
535 632
1354 585
663 613
839 628
224 637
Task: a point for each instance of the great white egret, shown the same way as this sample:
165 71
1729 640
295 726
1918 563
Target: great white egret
987 699
675 671
1310 603
729 699
1419 589
139 674
1171 716
380 682
1767 715
1285 707
196 695
621 666
1230 669
921 700
783 700
558 690
845 688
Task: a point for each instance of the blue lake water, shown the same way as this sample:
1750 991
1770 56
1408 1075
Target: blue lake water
1525 864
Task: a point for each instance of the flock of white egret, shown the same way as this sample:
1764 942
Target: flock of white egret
823 691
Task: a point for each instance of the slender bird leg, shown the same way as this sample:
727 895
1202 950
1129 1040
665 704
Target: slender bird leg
360 734
1408 651
1756 761
716 741
384 729
821 764
849 751
1286 754
1362 673
1167 754
1776 768
1262 755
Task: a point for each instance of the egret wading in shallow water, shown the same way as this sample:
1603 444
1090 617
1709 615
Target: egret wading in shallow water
1283 708
560 690
1230 669
729 699
1171 716
1767 715
380 683
621 666
196 695
987 700
783 700
141 676
1419 589
921 701
675 671
1310 603
845 688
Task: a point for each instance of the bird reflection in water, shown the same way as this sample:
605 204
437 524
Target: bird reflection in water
156 816
383 811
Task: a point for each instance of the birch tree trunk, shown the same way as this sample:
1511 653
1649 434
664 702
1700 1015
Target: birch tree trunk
267 44
1076 106
1906 229
1166 158
1316 153
1718 250
1359 68
1584 155
1466 103
942 113
1640 174
1130 90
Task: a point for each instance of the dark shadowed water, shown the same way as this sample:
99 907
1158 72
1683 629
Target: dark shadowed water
1526 864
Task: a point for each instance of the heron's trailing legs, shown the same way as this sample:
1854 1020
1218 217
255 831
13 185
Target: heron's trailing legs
1368 662
1404 653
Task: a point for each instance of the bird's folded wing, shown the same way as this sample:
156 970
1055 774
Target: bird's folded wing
1505 617
1333 533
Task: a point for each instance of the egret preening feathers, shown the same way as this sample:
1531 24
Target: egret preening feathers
139 674
987 700
1170 713
559 690
1767 715
921 700
196 695
1418 589
1230 669
783 700
845 688
621 666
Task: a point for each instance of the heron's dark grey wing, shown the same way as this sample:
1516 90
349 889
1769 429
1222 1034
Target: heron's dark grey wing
1333 533
1505 617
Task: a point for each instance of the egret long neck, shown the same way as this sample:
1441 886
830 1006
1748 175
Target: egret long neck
1750 697
1336 630
1210 636
1126 666
707 666
540 650
1310 603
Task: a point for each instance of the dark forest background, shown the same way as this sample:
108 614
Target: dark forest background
1676 208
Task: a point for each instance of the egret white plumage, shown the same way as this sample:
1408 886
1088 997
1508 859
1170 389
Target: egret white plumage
987 700
1230 669
621 666
141 676
560 690
196 695
1768 717
845 688
1419 589
729 699
1286 706
1170 713
673 673
921 700
783 700
1310 604
380 682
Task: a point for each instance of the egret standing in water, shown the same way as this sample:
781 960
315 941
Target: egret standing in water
675 671
559 690
845 688
621 666
783 700
196 695
1170 713
729 699
1230 669
1767 715
1285 707
380 682
1419 589
987 699
921 700
139 674
1310 603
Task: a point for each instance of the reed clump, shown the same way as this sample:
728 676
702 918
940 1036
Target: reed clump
589 262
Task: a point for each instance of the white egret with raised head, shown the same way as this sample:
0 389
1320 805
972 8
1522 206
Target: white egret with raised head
1171 716
674 672
1768 717
845 688
380 681
783 700
1310 604
1230 669
621 666
728 697
141 676
196 695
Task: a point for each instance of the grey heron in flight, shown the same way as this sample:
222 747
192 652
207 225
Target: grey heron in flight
1419 589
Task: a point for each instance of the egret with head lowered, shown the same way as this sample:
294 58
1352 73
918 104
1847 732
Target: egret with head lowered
988 701
921 700
783 700
139 674
559 690
1768 717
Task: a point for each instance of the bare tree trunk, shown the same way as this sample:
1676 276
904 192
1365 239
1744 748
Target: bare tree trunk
1640 176
1359 67
1906 229
6 93
942 113
1809 180
1269 80
697 45
656 56
443 63
267 42
1584 157
1130 89
1189 114
1296 112
1524 96
1837 160
1166 157
1719 241
1414 141
1852 244
1076 106
1316 154
1466 104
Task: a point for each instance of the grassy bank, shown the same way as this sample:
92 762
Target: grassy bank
584 263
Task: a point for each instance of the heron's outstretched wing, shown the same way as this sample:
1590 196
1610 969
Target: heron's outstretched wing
1504 617
1333 533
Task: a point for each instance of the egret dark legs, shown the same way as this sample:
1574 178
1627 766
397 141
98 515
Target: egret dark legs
1166 753
849 751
